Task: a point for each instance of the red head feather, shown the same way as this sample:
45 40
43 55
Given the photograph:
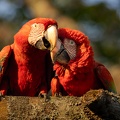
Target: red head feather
21 37
84 58
81 73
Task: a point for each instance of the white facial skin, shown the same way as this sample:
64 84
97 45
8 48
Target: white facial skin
38 36
70 49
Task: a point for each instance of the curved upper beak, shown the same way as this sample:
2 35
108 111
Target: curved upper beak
49 39
59 54
51 34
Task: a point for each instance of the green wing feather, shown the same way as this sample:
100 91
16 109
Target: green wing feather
105 77
4 56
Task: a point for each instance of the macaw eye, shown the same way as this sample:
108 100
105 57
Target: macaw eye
36 35
72 42
70 47
34 25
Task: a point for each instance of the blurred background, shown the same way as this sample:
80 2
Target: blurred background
98 19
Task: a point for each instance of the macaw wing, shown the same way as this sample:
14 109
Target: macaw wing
4 56
105 77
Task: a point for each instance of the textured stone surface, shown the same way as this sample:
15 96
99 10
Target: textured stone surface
94 105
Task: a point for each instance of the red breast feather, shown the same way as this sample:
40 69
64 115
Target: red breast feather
27 68
77 77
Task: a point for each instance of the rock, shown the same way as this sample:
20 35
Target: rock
94 105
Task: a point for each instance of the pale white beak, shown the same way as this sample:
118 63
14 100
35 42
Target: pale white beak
55 50
51 34
45 40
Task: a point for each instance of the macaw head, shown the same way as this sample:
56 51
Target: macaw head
39 32
72 46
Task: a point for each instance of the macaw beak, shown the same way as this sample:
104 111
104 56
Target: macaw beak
49 39
59 54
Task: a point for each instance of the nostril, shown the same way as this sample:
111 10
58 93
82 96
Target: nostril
46 42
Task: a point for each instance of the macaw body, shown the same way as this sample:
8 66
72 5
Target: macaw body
76 70
26 70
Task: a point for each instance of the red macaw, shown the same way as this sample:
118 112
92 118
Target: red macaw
76 70
25 68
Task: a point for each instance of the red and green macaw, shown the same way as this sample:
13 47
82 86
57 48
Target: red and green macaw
25 68
76 70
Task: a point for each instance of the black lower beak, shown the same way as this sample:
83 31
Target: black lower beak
61 56
42 44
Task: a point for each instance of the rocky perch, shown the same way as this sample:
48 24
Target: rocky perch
94 105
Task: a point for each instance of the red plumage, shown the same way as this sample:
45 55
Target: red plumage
82 73
28 69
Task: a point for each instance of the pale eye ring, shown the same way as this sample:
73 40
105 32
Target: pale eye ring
34 25
72 42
